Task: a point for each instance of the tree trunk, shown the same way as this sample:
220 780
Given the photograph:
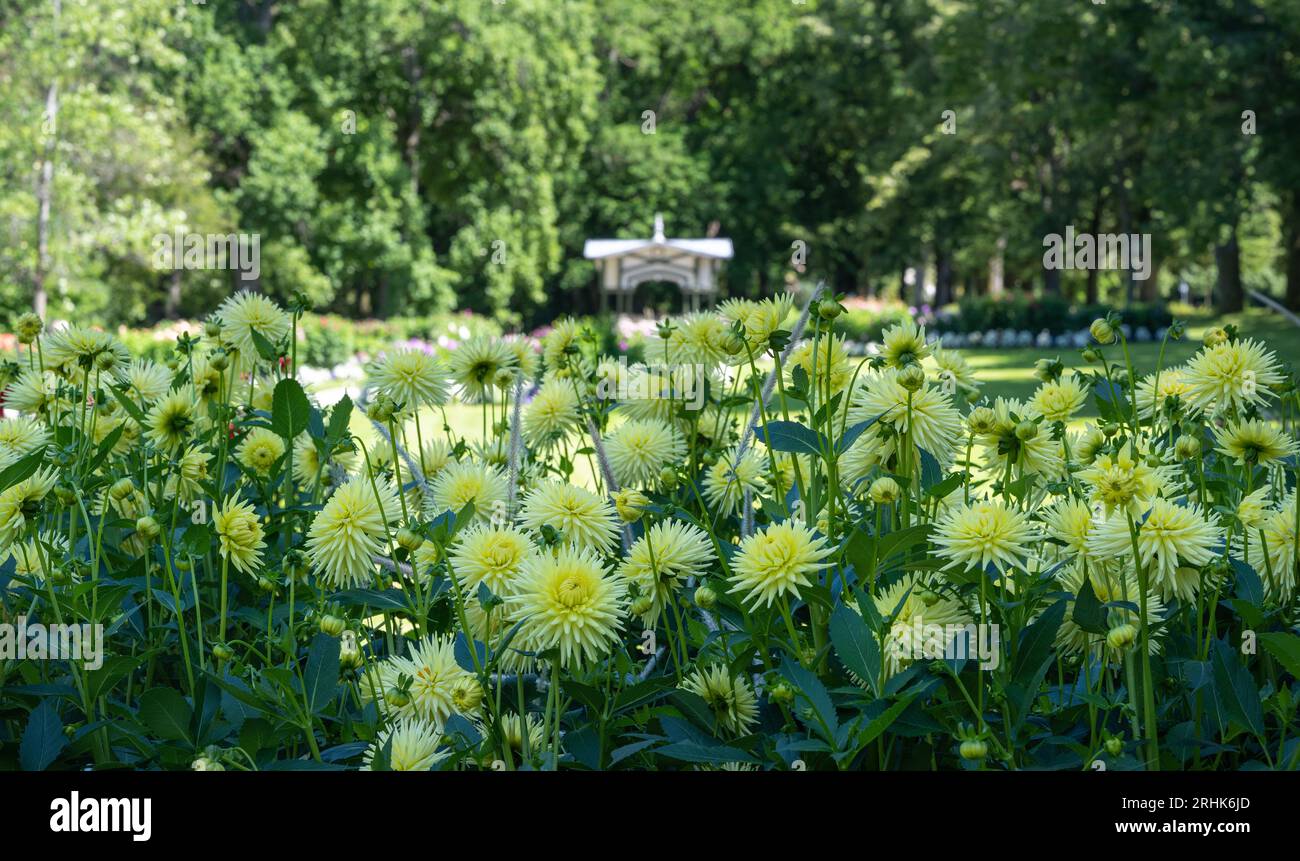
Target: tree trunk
1291 251
997 273
943 279
172 307
1227 259
45 189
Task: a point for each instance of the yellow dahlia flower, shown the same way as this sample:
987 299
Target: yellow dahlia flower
170 422
923 624
1171 536
412 746
932 421
982 534
552 414
412 378
730 698
568 602
580 516
639 450
1254 443
22 500
147 380
663 559
19 437
435 676
1124 481
726 481
1059 400
490 554
259 451
465 482
240 534
1110 586
1231 375
475 364
904 344
777 562
242 314
350 530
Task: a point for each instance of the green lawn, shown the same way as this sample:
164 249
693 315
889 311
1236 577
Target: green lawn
1010 372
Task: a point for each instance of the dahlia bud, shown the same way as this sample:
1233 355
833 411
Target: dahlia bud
782 693
1214 337
204 763
1026 430
121 489
885 491
219 360
397 698
630 504
668 478
65 495
106 361
1101 331
642 605
28 328
981 421
212 329
912 377
332 625
828 309
1048 370
381 409
706 598
974 749
147 528
1114 745
1187 447
734 345
266 584
222 652
349 651
1090 355
408 540
1121 637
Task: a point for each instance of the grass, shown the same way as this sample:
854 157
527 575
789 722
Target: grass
1010 372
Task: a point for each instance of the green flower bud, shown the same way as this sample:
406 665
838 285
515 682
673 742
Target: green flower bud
1101 331
147 528
706 598
332 625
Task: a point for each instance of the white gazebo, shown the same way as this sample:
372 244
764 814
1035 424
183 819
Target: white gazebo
624 264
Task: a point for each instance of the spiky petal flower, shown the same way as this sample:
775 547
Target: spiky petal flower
493 555
259 451
412 378
147 380
464 482
412 745
639 450
350 530
475 364
726 481
1254 443
19 437
243 314
23 501
171 421
1059 400
923 624
580 516
1278 540
1231 375
240 533
904 344
568 602
1114 590
1170 536
927 416
434 677
552 414
777 562
1123 481
661 561
982 534
730 698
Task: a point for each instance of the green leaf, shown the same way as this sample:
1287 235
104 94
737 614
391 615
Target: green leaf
127 404
691 751
104 448
931 472
166 713
43 739
1088 613
856 646
340 416
321 680
289 409
811 689
1235 691
793 437
851 434
1285 648
268 351
21 471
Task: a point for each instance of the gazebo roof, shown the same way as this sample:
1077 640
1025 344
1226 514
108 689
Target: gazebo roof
658 247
